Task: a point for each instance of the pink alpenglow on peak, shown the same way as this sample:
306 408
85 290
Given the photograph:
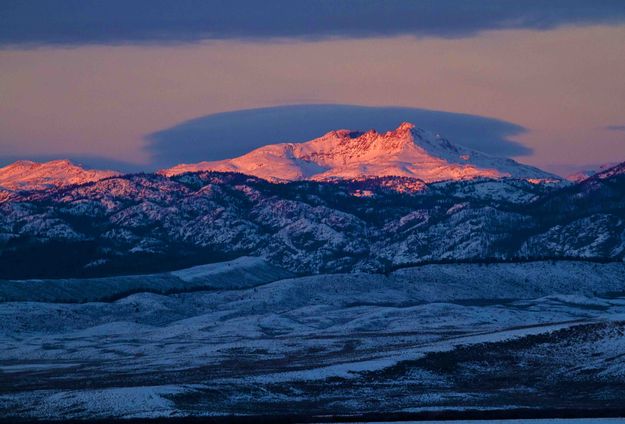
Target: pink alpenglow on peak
29 175
344 154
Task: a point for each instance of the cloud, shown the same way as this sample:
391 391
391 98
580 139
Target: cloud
615 127
68 22
230 134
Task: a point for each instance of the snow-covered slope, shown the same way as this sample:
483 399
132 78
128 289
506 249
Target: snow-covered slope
29 175
426 283
609 172
533 335
240 273
343 154
147 223
589 172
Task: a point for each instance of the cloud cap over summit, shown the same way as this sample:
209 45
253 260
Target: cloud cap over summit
225 135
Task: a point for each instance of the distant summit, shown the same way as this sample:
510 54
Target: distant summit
29 175
589 172
344 154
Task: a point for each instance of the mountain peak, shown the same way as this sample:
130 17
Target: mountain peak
406 151
61 163
30 175
405 126
590 172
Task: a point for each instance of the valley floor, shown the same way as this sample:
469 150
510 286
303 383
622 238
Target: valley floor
447 337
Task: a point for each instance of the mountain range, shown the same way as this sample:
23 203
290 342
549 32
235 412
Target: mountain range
345 202
342 154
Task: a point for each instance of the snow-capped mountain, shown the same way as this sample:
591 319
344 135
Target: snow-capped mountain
344 202
404 152
29 175
589 172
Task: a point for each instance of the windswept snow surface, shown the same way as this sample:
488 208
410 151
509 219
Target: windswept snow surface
425 338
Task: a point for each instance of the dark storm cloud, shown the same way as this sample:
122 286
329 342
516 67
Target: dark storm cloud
226 135
615 128
34 22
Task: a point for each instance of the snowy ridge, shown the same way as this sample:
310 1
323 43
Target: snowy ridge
404 152
610 172
435 283
29 175
244 272
589 172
